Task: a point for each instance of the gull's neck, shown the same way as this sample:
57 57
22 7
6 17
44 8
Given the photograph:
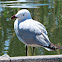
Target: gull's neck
23 20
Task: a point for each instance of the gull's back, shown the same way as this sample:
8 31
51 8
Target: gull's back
33 33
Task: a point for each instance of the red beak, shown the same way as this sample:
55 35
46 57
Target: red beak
13 17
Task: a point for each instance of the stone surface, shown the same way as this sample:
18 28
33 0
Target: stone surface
43 58
4 58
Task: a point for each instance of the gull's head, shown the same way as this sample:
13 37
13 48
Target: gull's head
22 15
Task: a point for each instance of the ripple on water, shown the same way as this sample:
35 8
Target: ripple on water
21 4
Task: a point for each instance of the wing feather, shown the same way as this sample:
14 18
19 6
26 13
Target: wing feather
44 37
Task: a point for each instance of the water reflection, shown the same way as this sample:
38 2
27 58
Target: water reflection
47 12
21 4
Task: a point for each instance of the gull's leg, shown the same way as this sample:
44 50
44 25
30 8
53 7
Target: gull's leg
26 50
33 50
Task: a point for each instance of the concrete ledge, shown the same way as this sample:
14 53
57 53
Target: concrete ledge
43 58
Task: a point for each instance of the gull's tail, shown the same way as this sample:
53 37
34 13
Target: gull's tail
52 47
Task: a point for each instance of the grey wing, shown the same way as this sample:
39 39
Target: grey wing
33 33
42 37
41 27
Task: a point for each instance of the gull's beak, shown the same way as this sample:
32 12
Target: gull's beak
13 17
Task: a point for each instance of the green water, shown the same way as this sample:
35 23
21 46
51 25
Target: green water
48 12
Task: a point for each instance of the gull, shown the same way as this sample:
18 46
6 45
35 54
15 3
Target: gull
31 32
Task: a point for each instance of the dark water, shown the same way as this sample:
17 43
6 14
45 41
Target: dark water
48 12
